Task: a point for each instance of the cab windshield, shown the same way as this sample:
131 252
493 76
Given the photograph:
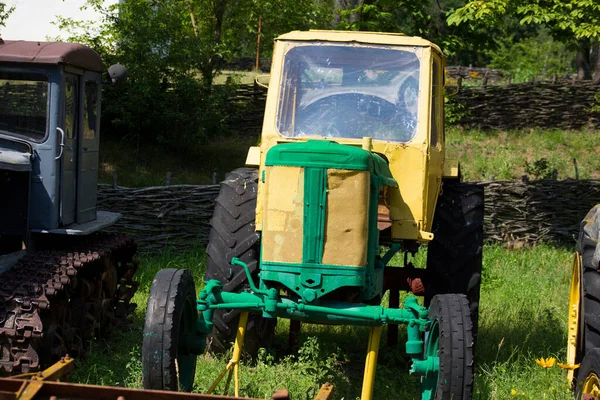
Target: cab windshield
23 104
349 91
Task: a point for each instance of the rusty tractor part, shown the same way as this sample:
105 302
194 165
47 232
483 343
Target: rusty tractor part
46 385
52 302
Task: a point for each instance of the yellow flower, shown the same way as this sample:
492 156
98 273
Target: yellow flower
514 392
473 74
546 362
568 366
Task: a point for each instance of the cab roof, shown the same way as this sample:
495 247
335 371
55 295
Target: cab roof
394 39
76 55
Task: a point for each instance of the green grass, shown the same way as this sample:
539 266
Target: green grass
481 153
505 154
523 317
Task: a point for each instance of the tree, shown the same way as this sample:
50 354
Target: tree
5 12
575 22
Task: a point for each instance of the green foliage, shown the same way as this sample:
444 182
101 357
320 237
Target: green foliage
539 169
453 110
595 108
168 98
538 58
276 16
570 19
5 12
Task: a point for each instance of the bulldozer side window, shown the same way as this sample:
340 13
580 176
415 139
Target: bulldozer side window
24 104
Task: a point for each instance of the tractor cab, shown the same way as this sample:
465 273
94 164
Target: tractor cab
49 141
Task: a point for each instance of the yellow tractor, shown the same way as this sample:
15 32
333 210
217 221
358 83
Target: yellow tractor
583 346
351 170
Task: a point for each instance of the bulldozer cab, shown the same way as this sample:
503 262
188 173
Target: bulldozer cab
49 138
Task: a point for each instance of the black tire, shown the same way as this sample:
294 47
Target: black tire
167 362
451 327
589 372
454 256
587 246
233 234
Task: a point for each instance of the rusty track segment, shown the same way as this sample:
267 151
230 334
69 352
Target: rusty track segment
52 302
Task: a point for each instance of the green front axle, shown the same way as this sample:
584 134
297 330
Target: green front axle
271 304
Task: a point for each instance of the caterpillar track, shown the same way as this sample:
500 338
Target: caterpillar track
57 298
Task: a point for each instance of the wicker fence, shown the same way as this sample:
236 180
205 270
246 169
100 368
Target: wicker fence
562 104
515 212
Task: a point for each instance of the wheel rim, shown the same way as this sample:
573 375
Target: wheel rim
429 383
186 360
574 315
591 387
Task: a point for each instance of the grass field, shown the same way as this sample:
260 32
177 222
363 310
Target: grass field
504 155
523 317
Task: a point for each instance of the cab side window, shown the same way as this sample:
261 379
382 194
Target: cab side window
436 108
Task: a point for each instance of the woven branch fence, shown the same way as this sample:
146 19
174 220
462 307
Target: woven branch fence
563 104
515 212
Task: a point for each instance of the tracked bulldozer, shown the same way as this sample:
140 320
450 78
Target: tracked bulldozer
62 281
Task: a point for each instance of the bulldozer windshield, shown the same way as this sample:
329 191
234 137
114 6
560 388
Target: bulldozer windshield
23 104
349 91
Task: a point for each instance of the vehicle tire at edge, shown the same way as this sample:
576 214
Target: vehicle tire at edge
588 247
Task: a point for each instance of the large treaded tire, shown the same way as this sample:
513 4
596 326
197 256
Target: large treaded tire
452 328
454 256
233 234
167 363
588 247
588 374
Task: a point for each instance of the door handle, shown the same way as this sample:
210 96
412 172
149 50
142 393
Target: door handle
62 142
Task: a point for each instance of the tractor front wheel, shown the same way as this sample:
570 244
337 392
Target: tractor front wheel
167 361
450 339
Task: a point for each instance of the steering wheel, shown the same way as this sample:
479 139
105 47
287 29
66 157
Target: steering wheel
346 115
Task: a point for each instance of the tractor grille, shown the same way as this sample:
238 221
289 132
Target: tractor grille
316 216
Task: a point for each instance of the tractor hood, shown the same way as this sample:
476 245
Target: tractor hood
15 155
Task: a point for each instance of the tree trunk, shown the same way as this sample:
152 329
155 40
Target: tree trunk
596 62
356 15
191 10
220 6
582 60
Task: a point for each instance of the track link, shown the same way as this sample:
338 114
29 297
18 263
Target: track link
53 301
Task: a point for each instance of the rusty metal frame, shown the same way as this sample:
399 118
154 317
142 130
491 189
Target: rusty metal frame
45 384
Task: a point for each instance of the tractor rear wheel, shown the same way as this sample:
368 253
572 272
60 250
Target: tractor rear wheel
167 361
584 305
588 377
233 234
454 256
450 339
